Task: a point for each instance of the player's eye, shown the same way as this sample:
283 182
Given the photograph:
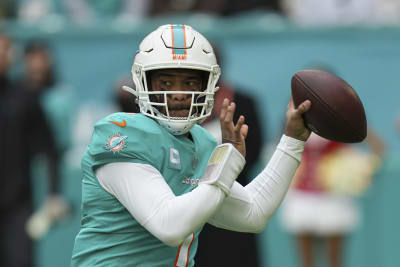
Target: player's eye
166 83
193 83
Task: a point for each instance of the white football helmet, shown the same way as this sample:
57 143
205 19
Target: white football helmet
174 47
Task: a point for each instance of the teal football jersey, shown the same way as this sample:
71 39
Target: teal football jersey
109 235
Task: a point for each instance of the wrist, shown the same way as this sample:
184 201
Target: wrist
224 166
301 137
292 146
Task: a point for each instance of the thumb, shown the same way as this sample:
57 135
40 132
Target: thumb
303 107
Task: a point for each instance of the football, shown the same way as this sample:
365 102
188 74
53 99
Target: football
337 112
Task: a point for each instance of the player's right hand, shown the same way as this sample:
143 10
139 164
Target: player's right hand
295 126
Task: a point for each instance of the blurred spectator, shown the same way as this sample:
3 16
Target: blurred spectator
7 9
315 12
219 247
83 10
238 6
40 79
322 203
387 11
171 7
25 134
219 7
36 10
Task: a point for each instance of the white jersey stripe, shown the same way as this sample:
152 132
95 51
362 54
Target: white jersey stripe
182 259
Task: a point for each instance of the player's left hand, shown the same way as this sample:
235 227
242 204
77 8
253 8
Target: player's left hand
231 133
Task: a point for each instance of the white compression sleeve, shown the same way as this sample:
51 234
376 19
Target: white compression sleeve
145 194
249 208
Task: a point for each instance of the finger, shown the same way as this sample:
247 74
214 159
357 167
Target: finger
224 109
244 130
239 124
230 112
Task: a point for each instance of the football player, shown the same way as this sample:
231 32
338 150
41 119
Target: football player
151 180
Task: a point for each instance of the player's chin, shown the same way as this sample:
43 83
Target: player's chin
182 113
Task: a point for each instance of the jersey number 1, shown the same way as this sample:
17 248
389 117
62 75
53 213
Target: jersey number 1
182 258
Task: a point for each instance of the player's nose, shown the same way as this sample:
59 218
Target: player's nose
181 96
178 97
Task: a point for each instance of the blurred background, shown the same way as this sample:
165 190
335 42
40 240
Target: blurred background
87 49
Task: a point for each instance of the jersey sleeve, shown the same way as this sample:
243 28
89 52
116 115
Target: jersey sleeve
123 138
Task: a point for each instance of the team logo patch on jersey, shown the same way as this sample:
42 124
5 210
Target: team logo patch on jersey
174 159
116 143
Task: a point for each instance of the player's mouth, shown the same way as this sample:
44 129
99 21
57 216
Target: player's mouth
179 112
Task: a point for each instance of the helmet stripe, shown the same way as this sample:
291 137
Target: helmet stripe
184 37
178 36
172 38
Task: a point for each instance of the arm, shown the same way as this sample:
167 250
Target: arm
249 208
145 194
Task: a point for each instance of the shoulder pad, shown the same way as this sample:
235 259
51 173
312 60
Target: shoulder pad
122 137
